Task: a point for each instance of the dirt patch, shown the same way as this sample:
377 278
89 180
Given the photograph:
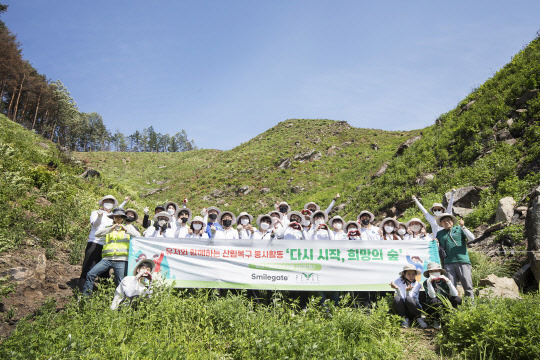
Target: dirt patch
34 280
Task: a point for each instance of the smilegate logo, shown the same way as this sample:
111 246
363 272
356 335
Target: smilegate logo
267 277
307 278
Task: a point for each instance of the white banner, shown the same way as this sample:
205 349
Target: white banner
282 264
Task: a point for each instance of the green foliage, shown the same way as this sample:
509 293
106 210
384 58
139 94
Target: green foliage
482 266
494 329
194 324
512 234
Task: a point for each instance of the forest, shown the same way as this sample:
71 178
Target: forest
46 106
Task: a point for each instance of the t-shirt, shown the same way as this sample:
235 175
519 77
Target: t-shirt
440 287
454 243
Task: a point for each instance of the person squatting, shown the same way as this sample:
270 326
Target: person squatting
112 228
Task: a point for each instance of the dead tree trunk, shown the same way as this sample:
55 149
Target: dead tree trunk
37 109
18 98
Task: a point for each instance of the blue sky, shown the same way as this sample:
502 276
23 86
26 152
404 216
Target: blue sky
226 71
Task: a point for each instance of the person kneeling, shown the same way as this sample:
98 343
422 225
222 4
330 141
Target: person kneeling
438 286
132 287
406 303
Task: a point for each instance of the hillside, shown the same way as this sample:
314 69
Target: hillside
296 161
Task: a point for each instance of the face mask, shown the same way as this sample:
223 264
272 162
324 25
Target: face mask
197 226
337 226
130 219
283 209
162 222
437 213
319 221
275 220
170 211
265 226
183 220
212 216
435 273
365 222
305 223
416 228
244 222
352 229
389 229
227 223
107 206
401 232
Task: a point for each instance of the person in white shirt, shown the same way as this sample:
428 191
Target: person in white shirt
264 222
161 227
388 229
351 228
406 302
132 217
283 209
277 223
172 208
368 231
417 230
132 287
437 209
197 229
320 230
336 224
402 231
94 246
183 216
243 225
311 206
294 230
226 219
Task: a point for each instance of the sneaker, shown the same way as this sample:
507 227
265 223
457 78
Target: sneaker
436 325
405 323
421 323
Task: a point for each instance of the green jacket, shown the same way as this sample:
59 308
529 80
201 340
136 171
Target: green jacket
454 243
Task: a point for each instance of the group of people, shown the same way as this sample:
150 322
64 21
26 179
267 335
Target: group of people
112 226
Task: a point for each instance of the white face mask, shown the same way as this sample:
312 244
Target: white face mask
401 232
437 213
162 222
197 226
416 228
265 226
389 229
305 223
337 226
171 211
274 220
107 206
319 221
244 222
435 273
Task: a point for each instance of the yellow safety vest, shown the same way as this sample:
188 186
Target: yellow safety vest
116 244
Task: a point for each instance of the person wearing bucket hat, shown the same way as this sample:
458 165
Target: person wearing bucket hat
294 230
265 231
134 286
161 226
211 218
351 228
172 208
146 223
437 209
306 221
417 230
368 231
438 285
94 245
320 230
115 250
243 225
336 224
311 206
453 240
388 229
132 217
402 231
197 229
226 219
406 303
183 215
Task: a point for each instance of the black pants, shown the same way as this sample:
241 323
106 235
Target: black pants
92 255
434 304
408 307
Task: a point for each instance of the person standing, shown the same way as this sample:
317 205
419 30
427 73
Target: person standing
437 210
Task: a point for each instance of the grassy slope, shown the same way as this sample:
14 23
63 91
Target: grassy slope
210 177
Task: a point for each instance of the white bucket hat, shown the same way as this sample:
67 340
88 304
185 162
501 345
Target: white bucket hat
136 217
410 267
243 213
294 213
317 207
173 204
148 262
220 216
177 213
108 197
331 221
447 215
351 223
372 217
276 212
162 214
319 212
200 219
396 223
283 203
415 220
261 217
436 205
432 266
